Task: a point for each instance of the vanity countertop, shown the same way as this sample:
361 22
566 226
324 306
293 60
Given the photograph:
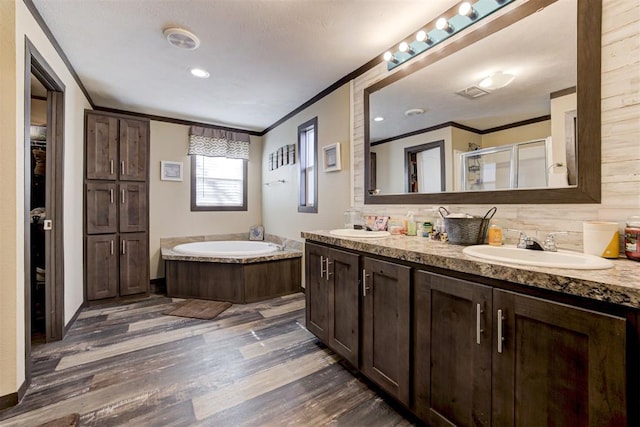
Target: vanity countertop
618 285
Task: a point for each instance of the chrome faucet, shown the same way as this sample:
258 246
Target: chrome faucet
528 242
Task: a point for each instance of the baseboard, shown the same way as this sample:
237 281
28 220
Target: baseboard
12 399
74 318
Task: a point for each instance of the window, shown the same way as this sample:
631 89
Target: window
218 184
307 149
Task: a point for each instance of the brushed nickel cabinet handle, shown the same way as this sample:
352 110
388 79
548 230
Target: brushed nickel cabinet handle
124 247
478 325
122 194
364 282
111 166
111 195
111 246
321 266
326 270
500 337
122 167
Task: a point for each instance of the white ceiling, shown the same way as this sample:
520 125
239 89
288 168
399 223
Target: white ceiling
266 57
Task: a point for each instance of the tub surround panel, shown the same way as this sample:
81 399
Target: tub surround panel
618 285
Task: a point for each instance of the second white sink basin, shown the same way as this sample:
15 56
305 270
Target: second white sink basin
560 259
349 232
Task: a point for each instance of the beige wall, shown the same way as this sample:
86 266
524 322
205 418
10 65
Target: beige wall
12 302
620 143
16 23
280 200
170 201
539 130
38 112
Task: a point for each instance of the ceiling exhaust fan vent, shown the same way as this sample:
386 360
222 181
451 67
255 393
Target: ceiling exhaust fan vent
181 38
472 92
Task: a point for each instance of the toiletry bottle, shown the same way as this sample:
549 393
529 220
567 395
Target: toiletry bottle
495 234
632 238
411 224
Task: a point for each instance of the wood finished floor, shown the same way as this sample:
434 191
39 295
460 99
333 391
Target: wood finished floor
254 365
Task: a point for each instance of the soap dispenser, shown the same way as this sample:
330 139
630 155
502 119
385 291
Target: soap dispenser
495 234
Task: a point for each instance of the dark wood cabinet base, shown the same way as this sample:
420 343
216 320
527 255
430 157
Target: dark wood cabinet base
235 283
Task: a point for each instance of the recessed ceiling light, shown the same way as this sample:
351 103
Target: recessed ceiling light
378 119
199 72
181 38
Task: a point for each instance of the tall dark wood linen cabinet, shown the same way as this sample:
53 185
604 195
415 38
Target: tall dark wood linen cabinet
116 206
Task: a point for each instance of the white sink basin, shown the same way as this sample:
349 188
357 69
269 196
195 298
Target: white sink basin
560 259
349 232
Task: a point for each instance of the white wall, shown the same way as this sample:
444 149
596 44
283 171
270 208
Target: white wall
280 201
16 23
170 201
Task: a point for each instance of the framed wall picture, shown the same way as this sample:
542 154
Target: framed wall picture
170 171
331 157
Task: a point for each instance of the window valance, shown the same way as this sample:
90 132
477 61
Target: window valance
213 142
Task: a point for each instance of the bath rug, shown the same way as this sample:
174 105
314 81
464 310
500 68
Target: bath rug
200 309
70 420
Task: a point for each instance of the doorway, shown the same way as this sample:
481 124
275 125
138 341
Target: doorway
43 203
425 168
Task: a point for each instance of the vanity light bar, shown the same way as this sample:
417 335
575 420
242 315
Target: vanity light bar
468 14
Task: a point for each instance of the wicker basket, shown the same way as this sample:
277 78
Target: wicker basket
467 231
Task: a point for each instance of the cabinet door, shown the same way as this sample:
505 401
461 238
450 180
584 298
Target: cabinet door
133 149
556 365
134 263
452 351
133 207
316 291
343 275
101 147
101 266
385 340
101 211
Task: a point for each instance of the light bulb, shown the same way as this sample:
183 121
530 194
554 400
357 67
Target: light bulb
422 36
465 9
388 56
442 23
403 47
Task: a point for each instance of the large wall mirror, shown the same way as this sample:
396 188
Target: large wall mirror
530 133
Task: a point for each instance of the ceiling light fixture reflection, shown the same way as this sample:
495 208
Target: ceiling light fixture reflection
200 73
496 80
378 119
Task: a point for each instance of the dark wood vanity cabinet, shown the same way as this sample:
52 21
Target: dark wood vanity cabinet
459 352
452 339
386 309
486 356
332 299
116 206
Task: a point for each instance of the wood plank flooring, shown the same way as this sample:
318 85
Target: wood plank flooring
254 365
